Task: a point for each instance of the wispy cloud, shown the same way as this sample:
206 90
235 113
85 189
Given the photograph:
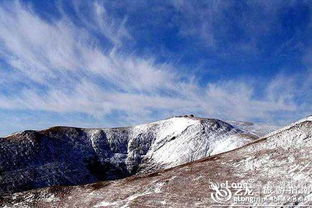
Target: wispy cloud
59 66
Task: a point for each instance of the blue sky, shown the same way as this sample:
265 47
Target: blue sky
119 63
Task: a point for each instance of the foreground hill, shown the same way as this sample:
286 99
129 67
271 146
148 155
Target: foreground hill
280 160
72 156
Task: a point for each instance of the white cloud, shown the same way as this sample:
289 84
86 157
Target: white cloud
77 75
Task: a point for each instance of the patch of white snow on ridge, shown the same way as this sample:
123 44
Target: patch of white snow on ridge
229 143
105 204
174 126
173 141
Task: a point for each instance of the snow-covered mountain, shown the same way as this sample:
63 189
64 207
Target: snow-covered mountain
71 156
275 169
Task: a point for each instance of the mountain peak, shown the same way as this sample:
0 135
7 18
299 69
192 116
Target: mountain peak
110 153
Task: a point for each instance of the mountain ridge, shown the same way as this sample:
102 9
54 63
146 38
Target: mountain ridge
72 156
278 158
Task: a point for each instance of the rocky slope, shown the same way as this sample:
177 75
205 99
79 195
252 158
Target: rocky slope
260 171
71 156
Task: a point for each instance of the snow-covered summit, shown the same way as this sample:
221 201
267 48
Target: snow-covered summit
70 156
